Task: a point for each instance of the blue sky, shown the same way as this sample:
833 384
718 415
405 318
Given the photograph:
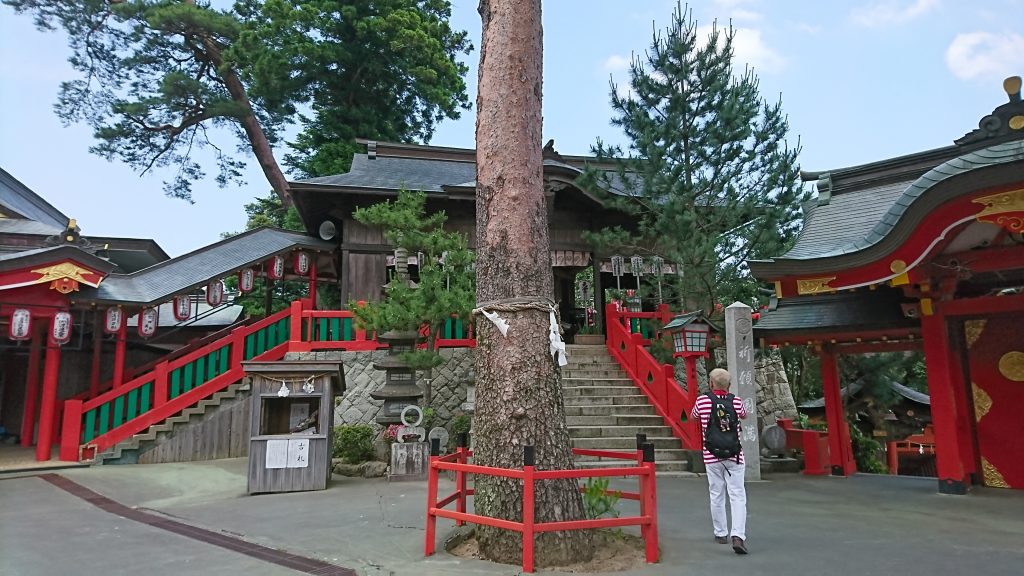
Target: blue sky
860 81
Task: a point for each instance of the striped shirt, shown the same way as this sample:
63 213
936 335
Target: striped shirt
702 410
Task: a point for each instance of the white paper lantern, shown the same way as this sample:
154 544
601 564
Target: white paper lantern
182 308
113 320
301 265
246 280
60 328
275 268
21 325
148 321
215 293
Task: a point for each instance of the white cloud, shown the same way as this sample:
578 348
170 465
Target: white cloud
811 29
891 12
749 48
748 15
616 63
984 55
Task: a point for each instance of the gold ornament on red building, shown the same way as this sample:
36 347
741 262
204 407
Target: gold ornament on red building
65 277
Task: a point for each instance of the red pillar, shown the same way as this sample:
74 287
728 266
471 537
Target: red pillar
840 449
119 355
97 356
941 379
48 403
312 283
28 419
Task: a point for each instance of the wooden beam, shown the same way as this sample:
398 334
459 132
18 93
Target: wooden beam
951 470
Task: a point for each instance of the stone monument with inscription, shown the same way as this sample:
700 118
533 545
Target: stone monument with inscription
739 340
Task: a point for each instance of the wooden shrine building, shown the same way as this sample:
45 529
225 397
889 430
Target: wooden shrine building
921 252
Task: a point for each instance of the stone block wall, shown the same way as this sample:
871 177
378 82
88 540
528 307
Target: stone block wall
356 406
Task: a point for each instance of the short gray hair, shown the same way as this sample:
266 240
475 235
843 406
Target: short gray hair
719 378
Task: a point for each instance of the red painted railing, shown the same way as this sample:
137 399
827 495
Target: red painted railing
91 425
814 445
646 495
656 380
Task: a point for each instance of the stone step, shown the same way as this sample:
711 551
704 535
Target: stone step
609 372
590 382
659 467
570 391
589 359
624 443
614 419
639 409
618 431
579 400
664 455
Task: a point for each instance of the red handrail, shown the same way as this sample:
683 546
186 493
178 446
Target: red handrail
656 380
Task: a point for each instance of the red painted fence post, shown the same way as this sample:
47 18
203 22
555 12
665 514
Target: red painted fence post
528 508
160 384
435 449
71 431
296 322
460 477
650 496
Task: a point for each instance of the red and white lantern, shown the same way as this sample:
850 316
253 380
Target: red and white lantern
246 280
148 321
21 325
60 328
182 308
113 320
215 293
301 263
275 268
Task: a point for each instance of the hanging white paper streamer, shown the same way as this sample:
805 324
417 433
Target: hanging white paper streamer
498 321
557 346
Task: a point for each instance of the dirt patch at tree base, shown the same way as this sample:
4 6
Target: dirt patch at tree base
614 551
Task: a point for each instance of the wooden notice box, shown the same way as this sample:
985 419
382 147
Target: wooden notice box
291 423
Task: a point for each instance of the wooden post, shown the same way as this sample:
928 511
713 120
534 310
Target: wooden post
312 283
160 373
598 290
48 403
28 419
840 452
296 323
97 354
529 505
950 467
71 431
268 297
739 340
119 354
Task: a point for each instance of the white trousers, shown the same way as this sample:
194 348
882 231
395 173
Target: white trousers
722 477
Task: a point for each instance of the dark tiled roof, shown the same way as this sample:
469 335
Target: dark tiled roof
16 197
25 258
19 226
198 268
394 173
856 387
844 312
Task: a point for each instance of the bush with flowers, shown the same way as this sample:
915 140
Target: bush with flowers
391 433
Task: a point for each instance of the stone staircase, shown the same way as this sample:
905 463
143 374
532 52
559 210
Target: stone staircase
128 451
605 411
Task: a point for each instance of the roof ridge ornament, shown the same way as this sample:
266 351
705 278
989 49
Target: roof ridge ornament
1006 122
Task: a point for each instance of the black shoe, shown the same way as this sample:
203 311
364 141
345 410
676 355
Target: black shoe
722 539
738 546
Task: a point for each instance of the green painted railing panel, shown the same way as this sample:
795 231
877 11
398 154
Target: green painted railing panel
346 328
286 333
272 335
225 357
118 411
261 341
133 403
250 346
104 418
199 366
147 393
322 329
90 426
211 365
187 384
175 385
335 329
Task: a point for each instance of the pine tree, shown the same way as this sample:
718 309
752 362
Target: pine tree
707 175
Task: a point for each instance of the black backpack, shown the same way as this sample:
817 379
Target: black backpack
721 437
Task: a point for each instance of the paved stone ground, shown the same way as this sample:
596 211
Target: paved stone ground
797 525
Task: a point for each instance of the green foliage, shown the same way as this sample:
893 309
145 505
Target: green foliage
707 175
354 443
866 451
598 501
460 424
383 70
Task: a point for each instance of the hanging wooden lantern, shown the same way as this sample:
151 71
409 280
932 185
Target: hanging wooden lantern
182 307
60 328
113 320
301 264
215 293
275 268
21 325
148 320
246 280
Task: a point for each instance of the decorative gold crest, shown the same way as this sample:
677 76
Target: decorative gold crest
1005 209
814 285
1011 366
992 476
982 402
64 277
973 330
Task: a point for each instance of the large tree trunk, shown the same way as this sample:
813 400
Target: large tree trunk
519 399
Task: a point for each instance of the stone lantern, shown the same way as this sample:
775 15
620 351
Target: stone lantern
400 389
